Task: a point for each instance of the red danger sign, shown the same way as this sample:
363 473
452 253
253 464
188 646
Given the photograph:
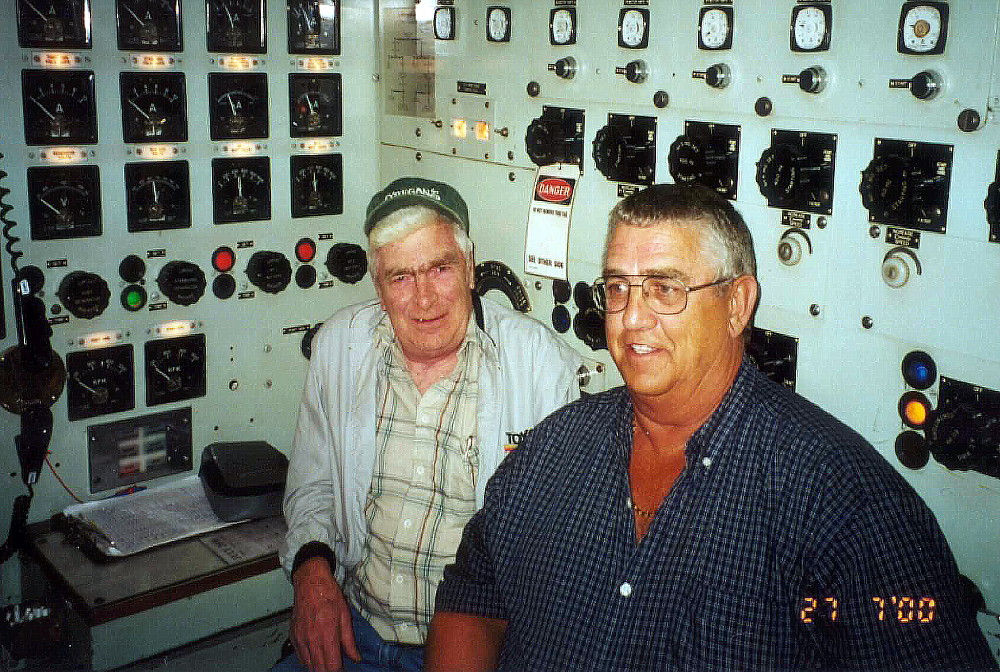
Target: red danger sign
554 190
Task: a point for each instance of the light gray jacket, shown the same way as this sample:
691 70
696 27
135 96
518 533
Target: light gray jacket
526 372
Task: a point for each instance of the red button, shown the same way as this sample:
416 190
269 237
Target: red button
305 250
223 259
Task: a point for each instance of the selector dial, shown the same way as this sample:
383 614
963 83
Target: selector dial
565 68
699 161
718 76
347 262
899 265
269 271
784 174
182 282
812 80
926 85
963 437
636 71
85 295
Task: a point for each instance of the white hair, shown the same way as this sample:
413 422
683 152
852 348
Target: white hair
399 224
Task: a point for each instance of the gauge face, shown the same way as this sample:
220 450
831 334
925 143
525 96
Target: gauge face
158 195
444 23
99 382
923 28
175 369
633 28
237 26
149 25
811 27
313 26
715 28
62 24
238 105
64 202
314 105
562 26
59 107
241 189
317 185
498 24
154 107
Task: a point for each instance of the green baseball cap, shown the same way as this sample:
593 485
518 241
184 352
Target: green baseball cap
407 191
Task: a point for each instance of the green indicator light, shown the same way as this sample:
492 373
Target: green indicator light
133 298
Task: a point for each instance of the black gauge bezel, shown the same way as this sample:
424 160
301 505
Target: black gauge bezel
942 8
326 84
254 86
728 43
251 39
320 43
506 36
299 198
572 37
81 15
257 165
82 129
120 379
137 174
453 17
130 37
44 178
195 376
644 42
827 10
176 128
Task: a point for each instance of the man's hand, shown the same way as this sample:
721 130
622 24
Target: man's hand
321 621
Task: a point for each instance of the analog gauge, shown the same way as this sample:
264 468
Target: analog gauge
313 26
562 26
317 185
64 202
923 28
99 382
237 26
715 28
314 105
811 27
633 28
60 24
59 107
154 107
498 24
238 105
157 195
149 25
175 369
444 23
241 189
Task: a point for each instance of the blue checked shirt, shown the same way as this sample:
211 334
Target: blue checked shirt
787 543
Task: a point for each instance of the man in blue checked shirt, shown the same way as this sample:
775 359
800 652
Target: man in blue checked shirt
701 517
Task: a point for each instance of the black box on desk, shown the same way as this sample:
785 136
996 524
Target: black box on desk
243 479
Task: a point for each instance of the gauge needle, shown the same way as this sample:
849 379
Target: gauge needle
232 22
156 193
50 206
312 110
141 111
37 11
135 15
35 101
82 384
229 97
315 182
239 186
159 371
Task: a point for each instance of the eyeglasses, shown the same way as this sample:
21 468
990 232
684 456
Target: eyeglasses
665 296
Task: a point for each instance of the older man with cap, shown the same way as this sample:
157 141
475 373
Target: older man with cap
411 402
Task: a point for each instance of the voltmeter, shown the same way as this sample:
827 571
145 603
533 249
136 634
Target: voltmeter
64 202
241 189
158 195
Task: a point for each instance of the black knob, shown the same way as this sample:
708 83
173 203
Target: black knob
886 189
699 161
533 89
566 67
269 271
969 120
763 107
583 296
636 71
307 340
561 291
911 450
347 262
992 205
588 326
182 282
611 152
717 76
85 295
783 173
812 80
305 276
561 320
955 434
545 141
925 85
132 268
34 276
661 99
224 286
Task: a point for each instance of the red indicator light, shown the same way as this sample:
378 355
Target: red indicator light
305 250
223 259
915 410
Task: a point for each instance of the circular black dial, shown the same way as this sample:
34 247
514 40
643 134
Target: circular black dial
314 104
241 189
785 175
347 262
149 25
238 105
962 437
269 271
63 24
314 26
588 325
64 202
99 382
59 107
886 188
182 282
498 275
237 26
175 369
85 295
700 161
546 141
317 185
154 107
158 195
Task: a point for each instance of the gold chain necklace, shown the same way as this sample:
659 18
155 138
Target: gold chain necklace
635 507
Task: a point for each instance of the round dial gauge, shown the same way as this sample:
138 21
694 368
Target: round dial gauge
715 30
158 195
59 107
314 26
64 202
149 25
153 107
241 189
444 23
811 28
236 26
314 104
498 24
99 382
238 105
922 28
633 26
62 24
562 26
317 185
175 369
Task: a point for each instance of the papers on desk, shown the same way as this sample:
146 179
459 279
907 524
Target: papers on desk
121 526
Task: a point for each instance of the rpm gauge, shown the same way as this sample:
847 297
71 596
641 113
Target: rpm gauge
157 195
811 27
923 28
99 381
715 28
175 369
149 25
241 189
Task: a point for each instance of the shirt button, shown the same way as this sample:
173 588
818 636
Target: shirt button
707 461
399 578
419 471
407 523
625 589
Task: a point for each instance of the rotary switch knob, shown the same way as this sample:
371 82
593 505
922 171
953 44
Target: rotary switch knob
718 76
784 174
347 262
992 205
614 153
792 245
546 141
812 80
565 68
182 282
269 271
963 437
699 161
925 85
636 71
85 295
886 188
